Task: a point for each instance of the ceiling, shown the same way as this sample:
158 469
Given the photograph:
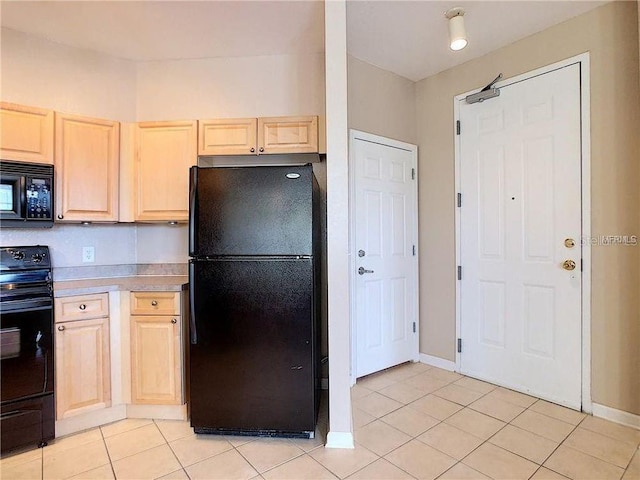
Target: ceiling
410 38
164 30
405 37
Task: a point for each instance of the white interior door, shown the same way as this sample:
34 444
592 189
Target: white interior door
520 177
385 242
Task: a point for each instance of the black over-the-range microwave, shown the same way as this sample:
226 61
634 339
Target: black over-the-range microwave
26 194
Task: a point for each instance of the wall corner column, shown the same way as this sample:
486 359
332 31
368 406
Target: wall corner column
340 425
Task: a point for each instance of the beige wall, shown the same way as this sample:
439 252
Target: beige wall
72 80
41 73
231 87
46 74
381 102
221 87
610 34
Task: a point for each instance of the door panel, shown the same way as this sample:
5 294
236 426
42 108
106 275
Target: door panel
385 225
83 378
520 179
164 153
253 211
155 360
255 357
26 363
87 168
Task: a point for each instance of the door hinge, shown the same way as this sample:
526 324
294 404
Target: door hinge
459 199
457 127
414 327
459 345
414 250
459 272
413 174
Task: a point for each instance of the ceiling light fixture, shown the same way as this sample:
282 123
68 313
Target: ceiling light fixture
457 32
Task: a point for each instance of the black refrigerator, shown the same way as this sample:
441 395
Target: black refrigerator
254 274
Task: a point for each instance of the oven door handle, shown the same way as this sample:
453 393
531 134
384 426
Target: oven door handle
30 305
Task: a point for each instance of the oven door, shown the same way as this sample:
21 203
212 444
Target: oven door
12 199
26 337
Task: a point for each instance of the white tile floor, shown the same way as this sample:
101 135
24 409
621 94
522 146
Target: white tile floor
412 421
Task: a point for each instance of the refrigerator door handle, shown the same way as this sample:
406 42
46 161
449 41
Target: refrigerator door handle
193 333
193 207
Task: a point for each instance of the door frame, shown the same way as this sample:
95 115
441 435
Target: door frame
585 134
413 149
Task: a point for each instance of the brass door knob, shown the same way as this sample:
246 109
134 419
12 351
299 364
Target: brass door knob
569 265
569 242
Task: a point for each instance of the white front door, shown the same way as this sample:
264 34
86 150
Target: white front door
385 241
520 220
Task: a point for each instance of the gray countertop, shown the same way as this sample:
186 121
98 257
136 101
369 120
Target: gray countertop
166 283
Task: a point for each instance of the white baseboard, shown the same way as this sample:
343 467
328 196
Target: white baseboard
84 421
438 362
339 440
619 416
164 412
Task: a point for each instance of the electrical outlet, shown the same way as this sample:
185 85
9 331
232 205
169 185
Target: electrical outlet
88 254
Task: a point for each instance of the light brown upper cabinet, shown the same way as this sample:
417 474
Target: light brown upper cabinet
164 152
229 136
87 168
26 133
288 134
259 136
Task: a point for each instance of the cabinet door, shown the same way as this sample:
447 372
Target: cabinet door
288 134
26 134
229 136
164 153
156 374
83 378
87 165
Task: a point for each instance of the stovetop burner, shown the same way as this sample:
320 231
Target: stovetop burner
25 258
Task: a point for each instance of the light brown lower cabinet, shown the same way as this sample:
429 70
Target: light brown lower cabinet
83 371
156 353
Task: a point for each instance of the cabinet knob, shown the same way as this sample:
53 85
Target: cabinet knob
154 303
174 321
262 149
61 328
82 306
252 150
60 217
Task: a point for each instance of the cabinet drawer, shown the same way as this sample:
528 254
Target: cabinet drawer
155 303
81 307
